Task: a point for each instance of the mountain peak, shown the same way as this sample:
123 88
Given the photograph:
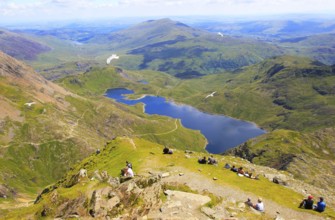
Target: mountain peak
166 21
164 25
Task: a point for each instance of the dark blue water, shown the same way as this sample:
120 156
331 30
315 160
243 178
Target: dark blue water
221 132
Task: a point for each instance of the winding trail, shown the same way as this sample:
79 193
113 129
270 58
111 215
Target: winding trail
163 133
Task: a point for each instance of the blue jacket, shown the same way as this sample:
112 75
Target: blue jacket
320 206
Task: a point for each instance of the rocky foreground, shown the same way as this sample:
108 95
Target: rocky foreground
177 194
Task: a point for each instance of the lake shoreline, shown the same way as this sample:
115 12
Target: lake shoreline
221 132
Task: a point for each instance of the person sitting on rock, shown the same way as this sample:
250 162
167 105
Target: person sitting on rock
166 150
259 206
202 160
211 160
307 203
321 205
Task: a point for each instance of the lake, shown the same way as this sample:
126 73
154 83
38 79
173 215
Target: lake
221 132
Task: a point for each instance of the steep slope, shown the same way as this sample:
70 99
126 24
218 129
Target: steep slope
165 186
44 129
180 50
19 46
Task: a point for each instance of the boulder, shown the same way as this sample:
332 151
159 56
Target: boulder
96 175
70 208
104 175
280 179
102 201
113 182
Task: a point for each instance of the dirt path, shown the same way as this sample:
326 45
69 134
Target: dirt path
272 209
163 133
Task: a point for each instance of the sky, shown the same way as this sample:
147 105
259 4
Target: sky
55 10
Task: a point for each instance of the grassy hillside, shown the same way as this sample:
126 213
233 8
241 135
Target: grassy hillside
317 47
305 155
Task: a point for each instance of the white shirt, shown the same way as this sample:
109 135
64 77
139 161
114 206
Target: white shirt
130 172
260 206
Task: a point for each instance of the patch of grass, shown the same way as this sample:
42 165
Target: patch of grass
215 200
178 187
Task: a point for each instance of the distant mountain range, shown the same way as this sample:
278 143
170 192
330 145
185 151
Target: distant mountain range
183 51
179 49
275 29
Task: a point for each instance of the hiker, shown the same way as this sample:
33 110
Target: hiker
203 160
259 206
307 203
234 169
240 171
321 205
167 151
211 160
128 164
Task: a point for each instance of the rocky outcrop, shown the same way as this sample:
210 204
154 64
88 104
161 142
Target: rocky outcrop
135 197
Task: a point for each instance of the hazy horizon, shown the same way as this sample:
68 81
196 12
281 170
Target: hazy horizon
42 11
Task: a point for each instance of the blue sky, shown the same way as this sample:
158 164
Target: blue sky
45 10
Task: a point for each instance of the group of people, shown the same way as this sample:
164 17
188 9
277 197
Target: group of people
259 206
241 172
309 204
211 160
